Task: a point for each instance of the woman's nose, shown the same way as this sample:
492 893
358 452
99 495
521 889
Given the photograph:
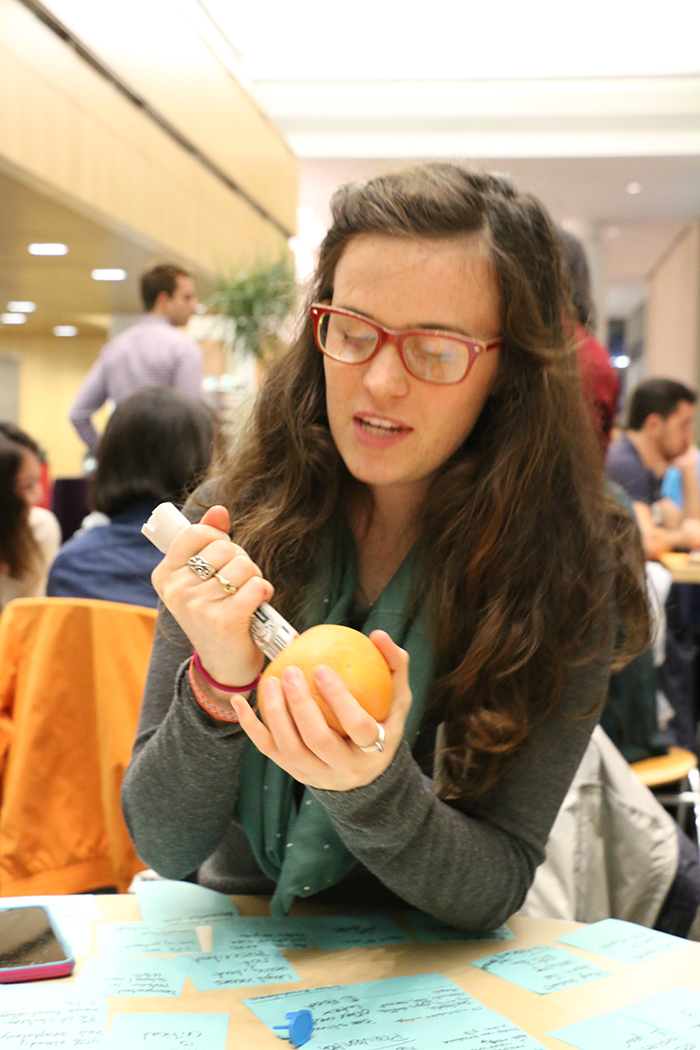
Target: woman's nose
385 372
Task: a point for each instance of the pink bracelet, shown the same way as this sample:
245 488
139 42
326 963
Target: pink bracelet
197 663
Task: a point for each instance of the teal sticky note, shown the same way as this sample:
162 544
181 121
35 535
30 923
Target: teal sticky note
52 1017
138 938
617 1031
108 975
229 934
430 930
336 932
541 969
676 1010
169 1031
624 941
166 901
475 1031
400 1000
244 969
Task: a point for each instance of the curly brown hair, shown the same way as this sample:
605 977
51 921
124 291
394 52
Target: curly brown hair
523 553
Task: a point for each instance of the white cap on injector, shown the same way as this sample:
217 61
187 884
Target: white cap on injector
164 524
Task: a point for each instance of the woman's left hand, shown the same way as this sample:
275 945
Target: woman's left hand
300 740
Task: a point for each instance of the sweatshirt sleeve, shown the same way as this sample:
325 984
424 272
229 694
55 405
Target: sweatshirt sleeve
179 791
471 865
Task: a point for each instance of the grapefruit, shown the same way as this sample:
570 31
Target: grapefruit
355 658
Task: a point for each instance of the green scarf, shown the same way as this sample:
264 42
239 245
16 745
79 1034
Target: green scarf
297 846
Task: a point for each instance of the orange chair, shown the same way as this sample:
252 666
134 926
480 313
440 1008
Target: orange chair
72 673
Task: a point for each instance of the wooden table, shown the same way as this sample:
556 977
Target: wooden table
537 1014
684 568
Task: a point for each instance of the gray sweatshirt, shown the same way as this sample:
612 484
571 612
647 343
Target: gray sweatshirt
469 864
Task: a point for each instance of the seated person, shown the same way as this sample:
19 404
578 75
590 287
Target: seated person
659 432
630 714
29 534
155 447
410 472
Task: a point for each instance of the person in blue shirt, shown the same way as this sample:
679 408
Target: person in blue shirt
156 446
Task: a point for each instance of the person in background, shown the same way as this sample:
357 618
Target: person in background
677 483
600 380
411 472
29 534
156 446
659 432
150 353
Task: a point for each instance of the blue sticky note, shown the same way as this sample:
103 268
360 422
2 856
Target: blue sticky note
169 1031
137 938
625 941
335 932
234 933
248 968
166 901
53 1017
430 930
617 1031
345 1007
541 969
677 1010
148 977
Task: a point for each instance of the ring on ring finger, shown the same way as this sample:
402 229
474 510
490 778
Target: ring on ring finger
378 744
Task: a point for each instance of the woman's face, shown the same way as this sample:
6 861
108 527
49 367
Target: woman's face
392 430
28 479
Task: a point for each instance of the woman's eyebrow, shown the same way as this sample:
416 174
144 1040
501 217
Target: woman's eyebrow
426 326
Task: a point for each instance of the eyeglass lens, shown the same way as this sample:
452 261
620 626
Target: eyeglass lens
435 358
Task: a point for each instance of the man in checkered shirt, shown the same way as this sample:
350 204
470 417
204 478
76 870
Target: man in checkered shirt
150 353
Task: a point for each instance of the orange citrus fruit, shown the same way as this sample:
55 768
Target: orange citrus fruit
355 658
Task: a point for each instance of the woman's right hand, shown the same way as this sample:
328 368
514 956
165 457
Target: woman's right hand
217 623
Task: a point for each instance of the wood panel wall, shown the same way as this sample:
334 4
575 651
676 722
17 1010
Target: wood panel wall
66 125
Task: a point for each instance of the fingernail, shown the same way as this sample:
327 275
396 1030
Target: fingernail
323 673
293 676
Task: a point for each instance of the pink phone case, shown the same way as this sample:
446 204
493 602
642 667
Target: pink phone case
43 970
37 973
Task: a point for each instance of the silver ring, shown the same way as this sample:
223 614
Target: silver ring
201 567
378 744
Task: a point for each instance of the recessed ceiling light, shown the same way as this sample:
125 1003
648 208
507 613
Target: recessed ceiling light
48 249
108 275
634 188
64 331
621 361
12 318
21 307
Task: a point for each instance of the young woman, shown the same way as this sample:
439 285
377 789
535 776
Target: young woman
431 477
157 445
29 534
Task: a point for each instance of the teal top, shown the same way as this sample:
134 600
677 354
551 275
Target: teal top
293 839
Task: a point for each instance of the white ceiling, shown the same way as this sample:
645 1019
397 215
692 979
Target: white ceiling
574 103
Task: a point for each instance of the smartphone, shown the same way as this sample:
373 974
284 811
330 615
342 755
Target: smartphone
31 946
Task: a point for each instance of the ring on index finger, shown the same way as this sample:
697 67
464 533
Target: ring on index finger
201 567
378 744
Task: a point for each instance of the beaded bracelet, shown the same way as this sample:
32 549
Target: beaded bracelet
217 685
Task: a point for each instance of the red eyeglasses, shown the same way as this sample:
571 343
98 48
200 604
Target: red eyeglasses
433 356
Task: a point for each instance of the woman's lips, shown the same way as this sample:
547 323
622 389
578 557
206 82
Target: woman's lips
378 430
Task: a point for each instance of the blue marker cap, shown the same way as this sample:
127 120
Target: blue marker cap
300 1025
